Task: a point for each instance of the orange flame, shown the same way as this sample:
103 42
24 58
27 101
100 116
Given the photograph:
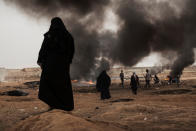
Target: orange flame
74 81
90 82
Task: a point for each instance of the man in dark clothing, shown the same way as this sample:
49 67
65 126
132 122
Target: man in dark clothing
55 57
169 80
103 84
178 80
156 79
148 78
122 78
134 83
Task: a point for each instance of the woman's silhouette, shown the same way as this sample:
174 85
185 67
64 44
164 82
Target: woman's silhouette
103 84
55 57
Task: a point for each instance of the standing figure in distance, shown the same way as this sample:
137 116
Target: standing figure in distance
122 78
148 78
156 79
169 79
55 57
134 83
103 84
178 80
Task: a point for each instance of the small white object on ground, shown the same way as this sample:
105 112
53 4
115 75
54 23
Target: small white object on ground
22 110
145 118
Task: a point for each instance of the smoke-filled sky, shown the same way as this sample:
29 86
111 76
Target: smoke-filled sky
121 32
17 28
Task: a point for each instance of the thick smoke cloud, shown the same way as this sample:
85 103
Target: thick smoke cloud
144 27
135 35
83 18
53 7
156 26
87 50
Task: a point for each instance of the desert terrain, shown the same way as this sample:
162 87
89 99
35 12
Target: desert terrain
159 108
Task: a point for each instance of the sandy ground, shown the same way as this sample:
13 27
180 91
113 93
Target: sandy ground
157 108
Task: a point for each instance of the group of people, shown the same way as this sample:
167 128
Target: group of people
134 80
55 57
104 81
173 79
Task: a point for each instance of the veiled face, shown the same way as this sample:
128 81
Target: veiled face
57 24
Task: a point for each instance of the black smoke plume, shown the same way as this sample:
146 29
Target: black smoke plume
83 18
144 27
156 26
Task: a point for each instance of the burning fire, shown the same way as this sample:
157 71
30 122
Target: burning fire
83 82
90 82
167 78
74 81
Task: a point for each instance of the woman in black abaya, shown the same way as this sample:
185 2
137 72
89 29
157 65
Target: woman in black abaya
103 84
55 57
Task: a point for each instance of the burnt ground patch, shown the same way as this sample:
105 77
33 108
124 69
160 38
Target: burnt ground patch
14 93
122 100
172 92
32 84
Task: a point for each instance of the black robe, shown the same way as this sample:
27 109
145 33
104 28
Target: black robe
103 84
134 83
56 56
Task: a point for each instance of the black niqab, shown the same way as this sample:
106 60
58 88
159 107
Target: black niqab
55 56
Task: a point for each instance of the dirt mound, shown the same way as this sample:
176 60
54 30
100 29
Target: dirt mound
58 120
177 91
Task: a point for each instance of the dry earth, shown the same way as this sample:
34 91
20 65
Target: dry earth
158 108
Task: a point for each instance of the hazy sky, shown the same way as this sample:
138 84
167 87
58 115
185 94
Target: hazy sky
21 37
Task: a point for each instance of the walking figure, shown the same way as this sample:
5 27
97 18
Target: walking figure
134 83
122 78
148 78
103 84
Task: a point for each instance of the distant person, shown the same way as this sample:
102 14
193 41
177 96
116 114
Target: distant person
147 78
134 83
122 78
55 57
169 80
103 84
156 79
178 80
